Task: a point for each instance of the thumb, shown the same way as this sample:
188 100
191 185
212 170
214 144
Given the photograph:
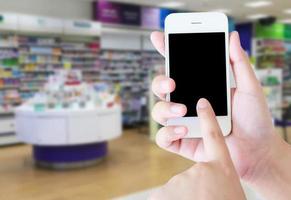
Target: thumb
213 140
244 75
157 39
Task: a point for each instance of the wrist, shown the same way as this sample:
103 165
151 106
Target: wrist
271 176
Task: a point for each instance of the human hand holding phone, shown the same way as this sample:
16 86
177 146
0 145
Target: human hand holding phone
214 179
256 150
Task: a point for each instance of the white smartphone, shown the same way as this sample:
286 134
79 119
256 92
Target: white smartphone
197 58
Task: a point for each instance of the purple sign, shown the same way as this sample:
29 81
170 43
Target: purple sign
130 14
117 13
108 12
150 18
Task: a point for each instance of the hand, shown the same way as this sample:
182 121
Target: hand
215 179
252 140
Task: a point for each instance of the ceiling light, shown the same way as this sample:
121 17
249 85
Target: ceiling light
287 11
222 10
286 21
172 4
257 4
257 16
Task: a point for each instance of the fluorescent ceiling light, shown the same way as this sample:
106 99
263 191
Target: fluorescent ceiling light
172 4
287 11
257 4
257 16
222 10
286 21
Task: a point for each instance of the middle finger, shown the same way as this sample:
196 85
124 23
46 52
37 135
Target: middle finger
163 111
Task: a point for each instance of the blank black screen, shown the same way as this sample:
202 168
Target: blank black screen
198 66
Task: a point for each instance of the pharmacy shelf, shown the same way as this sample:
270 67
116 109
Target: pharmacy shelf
31 59
8 47
272 55
129 71
120 67
39 45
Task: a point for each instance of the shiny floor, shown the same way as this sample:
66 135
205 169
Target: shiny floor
134 164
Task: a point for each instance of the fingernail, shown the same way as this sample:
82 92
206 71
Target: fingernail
180 130
165 85
176 109
202 104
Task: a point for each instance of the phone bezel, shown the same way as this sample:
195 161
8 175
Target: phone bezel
205 22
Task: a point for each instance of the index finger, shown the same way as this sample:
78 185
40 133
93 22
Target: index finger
213 140
163 85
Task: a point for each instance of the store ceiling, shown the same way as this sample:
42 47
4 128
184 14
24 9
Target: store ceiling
236 8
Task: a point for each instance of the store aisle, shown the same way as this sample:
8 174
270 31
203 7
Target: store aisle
134 164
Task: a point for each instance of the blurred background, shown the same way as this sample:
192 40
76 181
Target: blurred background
75 94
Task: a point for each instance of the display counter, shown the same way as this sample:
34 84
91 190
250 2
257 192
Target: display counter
68 137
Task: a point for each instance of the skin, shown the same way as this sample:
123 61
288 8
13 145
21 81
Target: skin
214 179
255 148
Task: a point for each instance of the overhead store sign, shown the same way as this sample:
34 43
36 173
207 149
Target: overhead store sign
117 13
128 14
28 23
8 22
133 15
82 27
150 18
107 12
287 33
273 31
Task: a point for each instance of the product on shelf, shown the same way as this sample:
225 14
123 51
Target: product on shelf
8 41
274 56
270 53
128 71
9 74
271 80
66 89
122 70
287 73
152 63
26 62
82 56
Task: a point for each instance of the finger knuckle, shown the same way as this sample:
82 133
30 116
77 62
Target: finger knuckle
153 114
161 104
200 166
160 137
227 169
157 79
157 111
215 134
201 169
